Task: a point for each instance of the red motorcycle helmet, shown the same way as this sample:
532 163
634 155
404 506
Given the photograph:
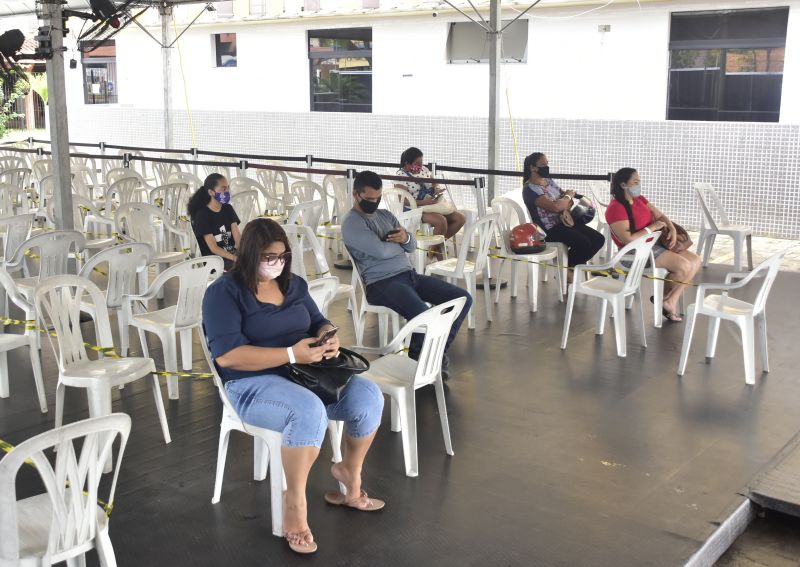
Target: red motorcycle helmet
526 239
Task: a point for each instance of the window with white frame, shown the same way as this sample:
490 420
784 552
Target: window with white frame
467 42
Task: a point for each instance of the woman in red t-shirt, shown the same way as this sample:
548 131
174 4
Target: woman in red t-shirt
631 216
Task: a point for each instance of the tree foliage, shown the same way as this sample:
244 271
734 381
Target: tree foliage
13 86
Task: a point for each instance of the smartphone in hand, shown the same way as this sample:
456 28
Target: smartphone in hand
326 336
390 233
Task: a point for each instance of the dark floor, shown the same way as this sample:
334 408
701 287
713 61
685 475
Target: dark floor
572 457
772 540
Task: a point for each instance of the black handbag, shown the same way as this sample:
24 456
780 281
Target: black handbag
328 377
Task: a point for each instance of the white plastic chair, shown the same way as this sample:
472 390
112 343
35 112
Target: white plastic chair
276 187
59 302
364 307
12 162
163 171
15 231
42 168
266 446
69 519
308 214
322 291
193 276
399 376
221 169
17 177
246 205
11 341
141 222
123 264
113 175
710 228
462 268
611 290
721 306
13 200
509 215
84 181
597 188
189 179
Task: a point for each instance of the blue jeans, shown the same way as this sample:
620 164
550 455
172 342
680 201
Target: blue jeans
274 402
407 294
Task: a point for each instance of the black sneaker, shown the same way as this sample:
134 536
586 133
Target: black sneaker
445 367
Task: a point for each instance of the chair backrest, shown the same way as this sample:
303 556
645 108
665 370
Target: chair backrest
59 302
16 230
706 195
84 180
640 248
435 323
240 184
193 276
457 191
12 162
304 191
396 198
342 198
221 169
13 200
190 179
109 164
124 263
509 215
485 228
246 205
53 249
17 177
600 193
73 484
768 269
410 220
172 199
142 222
163 171
8 284
42 168
303 239
308 214
125 190
114 175
322 291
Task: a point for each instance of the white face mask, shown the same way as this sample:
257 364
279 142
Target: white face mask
270 272
636 190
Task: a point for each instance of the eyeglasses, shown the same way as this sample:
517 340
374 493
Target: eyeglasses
273 259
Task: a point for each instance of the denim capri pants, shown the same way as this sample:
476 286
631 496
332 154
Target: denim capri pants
272 402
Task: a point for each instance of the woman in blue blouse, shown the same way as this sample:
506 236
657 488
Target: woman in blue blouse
258 318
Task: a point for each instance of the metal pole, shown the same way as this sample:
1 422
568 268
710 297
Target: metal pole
166 71
57 109
493 138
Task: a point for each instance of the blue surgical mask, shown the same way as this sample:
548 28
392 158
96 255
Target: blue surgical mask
635 191
223 198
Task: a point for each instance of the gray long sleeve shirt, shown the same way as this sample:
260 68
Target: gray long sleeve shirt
376 260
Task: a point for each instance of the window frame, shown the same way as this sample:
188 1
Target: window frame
314 57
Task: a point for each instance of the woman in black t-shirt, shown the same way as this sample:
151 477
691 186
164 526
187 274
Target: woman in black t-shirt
214 222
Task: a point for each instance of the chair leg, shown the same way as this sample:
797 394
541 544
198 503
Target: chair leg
100 405
713 334
162 415
602 313
396 421
335 433
749 239
618 308
222 455
658 300
710 238
276 481
353 306
500 276
440 401
762 336
383 329
408 419
261 456
748 349
186 349
568 317
143 342
36 365
124 337
533 287
487 292
691 319
469 279
105 551
642 328
4 391
701 239
738 242
170 347
59 421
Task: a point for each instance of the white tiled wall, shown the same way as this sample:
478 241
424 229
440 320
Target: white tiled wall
755 167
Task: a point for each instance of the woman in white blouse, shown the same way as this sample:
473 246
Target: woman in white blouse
436 211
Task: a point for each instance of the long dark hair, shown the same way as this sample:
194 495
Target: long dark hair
526 166
618 192
257 235
409 156
201 198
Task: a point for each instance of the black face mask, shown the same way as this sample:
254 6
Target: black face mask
369 207
544 171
